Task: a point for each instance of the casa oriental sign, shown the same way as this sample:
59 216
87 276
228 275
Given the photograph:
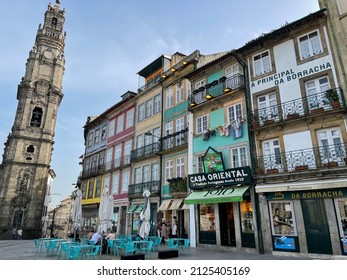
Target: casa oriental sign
229 177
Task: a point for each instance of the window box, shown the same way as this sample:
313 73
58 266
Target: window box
293 116
269 122
301 167
259 170
272 171
317 111
330 164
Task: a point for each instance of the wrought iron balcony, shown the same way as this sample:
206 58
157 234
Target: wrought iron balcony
303 160
136 190
318 103
174 140
215 89
145 151
93 171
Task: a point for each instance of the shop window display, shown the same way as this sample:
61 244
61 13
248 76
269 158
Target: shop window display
246 216
282 218
341 209
207 217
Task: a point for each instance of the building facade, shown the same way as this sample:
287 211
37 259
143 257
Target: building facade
28 149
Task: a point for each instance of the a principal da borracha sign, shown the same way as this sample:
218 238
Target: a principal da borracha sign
229 177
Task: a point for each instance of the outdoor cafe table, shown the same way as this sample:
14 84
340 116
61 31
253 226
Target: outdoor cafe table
78 252
179 242
140 245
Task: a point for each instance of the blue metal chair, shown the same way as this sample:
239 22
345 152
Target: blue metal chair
93 252
129 248
186 246
172 244
110 246
118 246
147 248
157 243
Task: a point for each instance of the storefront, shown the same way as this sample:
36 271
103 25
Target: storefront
134 218
224 206
310 218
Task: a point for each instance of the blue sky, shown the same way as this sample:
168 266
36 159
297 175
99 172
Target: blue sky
109 41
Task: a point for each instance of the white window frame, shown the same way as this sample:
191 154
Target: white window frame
180 167
238 156
310 45
330 144
149 108
267 107
130 118
168 170
141 112
146 173
103 132
90 139
201 124
200 96
127 151
155 172
117 155
169 131
168 97
109 154
97 136
115 182
179 93
315 86
138 175
125 180
179 127
157 104
272 154
262 63
120 123
111 127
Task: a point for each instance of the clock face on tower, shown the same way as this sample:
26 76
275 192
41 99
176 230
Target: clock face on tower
48 54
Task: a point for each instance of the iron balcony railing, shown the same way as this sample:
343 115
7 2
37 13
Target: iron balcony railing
138 189
95 170
174 140
145 151
118 162
321 102
305 159
215 89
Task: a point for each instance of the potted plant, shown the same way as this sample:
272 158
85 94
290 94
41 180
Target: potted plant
292 116
272 171
177 185
333 97
301 167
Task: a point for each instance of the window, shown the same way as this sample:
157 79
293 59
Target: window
149 108
156 133
238 157
141 113
91 188
272 154
341 210
169 131
200 165
267 105
98 187
179 93
103 132
282 217
262 63
111 127
125 181
310 45
97 136
139 141
115 182
206 217
120 123
313 90
87 166
180 167
155 172
201 124
109 158
107 180
200 96
146 174
84 190
157 78
36 117
127 151
330 145
157 104
101 159
169 98
117 155
130 118
138 175
179 127
232 70
188 88
235 112
90 139
168 170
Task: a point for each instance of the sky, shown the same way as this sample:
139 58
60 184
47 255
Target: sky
109 42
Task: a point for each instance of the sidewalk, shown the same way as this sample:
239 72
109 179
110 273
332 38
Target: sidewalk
25 250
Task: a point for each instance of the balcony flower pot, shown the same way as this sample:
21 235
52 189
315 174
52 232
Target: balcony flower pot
317 111
293 116
301 167
330 164
335 104
177 185
269 122
333 97
272 171
259 170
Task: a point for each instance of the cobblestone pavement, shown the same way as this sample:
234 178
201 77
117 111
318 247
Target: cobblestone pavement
25 250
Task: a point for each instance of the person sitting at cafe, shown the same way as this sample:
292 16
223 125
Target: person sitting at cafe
96 238
110 235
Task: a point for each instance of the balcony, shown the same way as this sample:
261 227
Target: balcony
136 190
320 103
174 140
305 160
118 163
93 171
145 152
178 187
215 89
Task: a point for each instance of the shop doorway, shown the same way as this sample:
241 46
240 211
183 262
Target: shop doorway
316 226
227 225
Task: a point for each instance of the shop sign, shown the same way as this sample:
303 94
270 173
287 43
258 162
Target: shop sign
314 194
284 243
229 177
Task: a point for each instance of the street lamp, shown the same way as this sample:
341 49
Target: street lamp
148 133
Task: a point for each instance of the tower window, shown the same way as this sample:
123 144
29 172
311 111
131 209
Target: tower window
36 117
54 21
30 149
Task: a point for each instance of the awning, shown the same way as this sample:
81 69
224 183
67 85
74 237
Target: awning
185 206
176 203
216 196
139 208
165 205
131 209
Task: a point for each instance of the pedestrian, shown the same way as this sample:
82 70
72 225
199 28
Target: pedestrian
164 232
159 228
111 235
19 233
174 228
14 234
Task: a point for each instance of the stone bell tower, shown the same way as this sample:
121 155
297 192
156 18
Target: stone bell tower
24 171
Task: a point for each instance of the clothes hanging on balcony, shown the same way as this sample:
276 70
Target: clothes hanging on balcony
220 130
226 129
236 128
209 132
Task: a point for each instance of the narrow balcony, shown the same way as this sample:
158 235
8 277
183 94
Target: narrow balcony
314 159
215 89
136 190
145 152
174 140
316 104
93 171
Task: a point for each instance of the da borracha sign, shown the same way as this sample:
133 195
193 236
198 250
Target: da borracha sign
229 177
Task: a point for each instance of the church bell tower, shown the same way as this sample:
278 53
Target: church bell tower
25 167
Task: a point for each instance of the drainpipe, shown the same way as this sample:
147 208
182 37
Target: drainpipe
251 148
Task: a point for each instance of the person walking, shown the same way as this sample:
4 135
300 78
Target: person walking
174 228
14 234
19 233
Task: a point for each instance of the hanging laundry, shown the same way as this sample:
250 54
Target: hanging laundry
236 128
220 130
226 129
212 132
207 135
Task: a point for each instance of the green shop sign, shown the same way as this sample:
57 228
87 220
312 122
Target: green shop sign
311 194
